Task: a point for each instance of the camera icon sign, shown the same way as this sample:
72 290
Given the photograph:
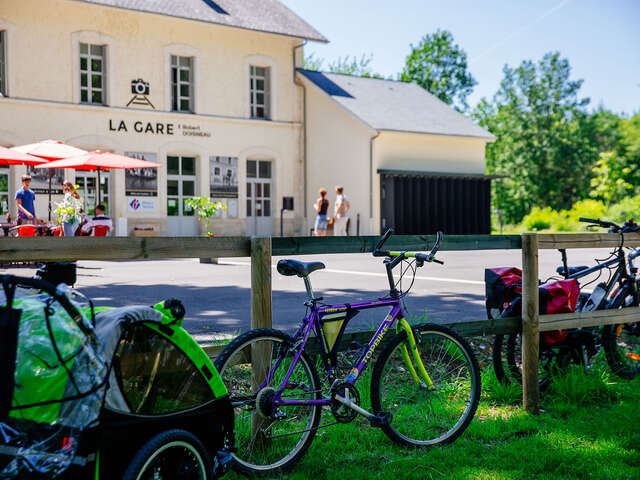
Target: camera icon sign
139 87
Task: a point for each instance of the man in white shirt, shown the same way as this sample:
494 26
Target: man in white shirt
341 213
101 221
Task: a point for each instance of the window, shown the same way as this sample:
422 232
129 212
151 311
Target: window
181 185
181 84
155 376
3 64
4 192
259 92
92 74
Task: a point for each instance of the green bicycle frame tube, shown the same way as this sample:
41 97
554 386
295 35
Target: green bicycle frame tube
416 355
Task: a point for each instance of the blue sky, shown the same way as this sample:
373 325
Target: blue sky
601 38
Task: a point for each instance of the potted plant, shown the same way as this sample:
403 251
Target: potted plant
205 208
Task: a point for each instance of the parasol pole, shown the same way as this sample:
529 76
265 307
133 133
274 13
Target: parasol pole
49 194
98 187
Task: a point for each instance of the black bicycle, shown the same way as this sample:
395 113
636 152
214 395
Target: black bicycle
621 343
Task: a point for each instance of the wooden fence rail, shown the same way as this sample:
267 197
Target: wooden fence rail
261 250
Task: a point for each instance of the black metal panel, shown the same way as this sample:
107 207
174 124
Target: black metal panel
422 204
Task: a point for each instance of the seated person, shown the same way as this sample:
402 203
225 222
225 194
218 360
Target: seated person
100 220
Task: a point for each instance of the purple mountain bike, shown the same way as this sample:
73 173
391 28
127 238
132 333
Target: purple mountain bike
424 387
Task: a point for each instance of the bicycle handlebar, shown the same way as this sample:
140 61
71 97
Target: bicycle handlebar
376 251
629 226
421 257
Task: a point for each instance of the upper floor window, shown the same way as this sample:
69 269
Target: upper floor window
92 74
260 92
3 63
181 83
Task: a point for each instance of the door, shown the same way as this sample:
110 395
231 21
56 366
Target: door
4 194
259 198
181 185
86 182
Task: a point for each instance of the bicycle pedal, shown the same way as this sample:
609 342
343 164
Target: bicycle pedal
380 420
222 462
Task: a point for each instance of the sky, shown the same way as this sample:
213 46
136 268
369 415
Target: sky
601 38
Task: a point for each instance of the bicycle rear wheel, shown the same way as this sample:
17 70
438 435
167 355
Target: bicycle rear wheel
622 342
422 416
270 439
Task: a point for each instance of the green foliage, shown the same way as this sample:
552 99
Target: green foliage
568 220
495 392
311 62
348 65
573 388
616 174
205 209
540 218
439 66
545 146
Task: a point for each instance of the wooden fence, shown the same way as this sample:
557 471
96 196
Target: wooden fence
261 250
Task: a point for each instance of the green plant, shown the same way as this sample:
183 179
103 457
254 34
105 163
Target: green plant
205 208
540 218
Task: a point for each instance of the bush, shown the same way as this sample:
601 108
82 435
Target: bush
540 219
587 208
628 208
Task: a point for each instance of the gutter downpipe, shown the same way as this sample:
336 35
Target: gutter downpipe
304 127
371 175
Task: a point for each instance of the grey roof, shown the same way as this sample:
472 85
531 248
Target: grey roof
262 15
395 106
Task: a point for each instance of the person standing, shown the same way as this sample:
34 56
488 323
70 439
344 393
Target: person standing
341 213
321 206
69 210
25 201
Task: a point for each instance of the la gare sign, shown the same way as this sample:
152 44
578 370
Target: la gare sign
156 128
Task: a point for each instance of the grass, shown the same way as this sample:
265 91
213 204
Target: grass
589 428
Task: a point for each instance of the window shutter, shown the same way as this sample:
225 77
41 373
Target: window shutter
267 93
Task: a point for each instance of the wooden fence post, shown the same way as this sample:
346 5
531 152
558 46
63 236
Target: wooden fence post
260 282
260 318
530 322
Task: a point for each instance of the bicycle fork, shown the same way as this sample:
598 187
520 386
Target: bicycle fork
426 380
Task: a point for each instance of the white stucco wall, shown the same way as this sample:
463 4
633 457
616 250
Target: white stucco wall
337 154
424 153
43 101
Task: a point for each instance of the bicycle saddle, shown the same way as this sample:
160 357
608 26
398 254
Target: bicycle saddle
572 270
291 267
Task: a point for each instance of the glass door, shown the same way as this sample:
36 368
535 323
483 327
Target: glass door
86 182
4 194
259 198
181 185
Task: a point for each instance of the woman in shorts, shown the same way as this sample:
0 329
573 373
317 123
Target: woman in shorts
321 206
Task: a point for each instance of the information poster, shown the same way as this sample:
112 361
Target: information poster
141 182
224 177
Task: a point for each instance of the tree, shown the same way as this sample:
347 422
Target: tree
546 144
617 171
348 65
440 67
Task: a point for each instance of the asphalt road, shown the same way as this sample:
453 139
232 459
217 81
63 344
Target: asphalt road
217 297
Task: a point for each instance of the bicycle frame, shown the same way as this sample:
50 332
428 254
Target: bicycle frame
313 323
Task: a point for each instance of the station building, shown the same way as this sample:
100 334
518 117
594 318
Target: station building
214 91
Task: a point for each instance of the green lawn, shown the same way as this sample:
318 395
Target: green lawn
589 429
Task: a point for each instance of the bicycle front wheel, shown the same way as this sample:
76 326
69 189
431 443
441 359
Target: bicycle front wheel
270 439
422 415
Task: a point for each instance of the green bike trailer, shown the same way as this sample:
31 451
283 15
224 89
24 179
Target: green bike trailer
125 393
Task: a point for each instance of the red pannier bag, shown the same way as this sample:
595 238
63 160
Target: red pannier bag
559 296
502 286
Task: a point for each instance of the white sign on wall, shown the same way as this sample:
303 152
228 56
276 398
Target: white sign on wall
141 204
